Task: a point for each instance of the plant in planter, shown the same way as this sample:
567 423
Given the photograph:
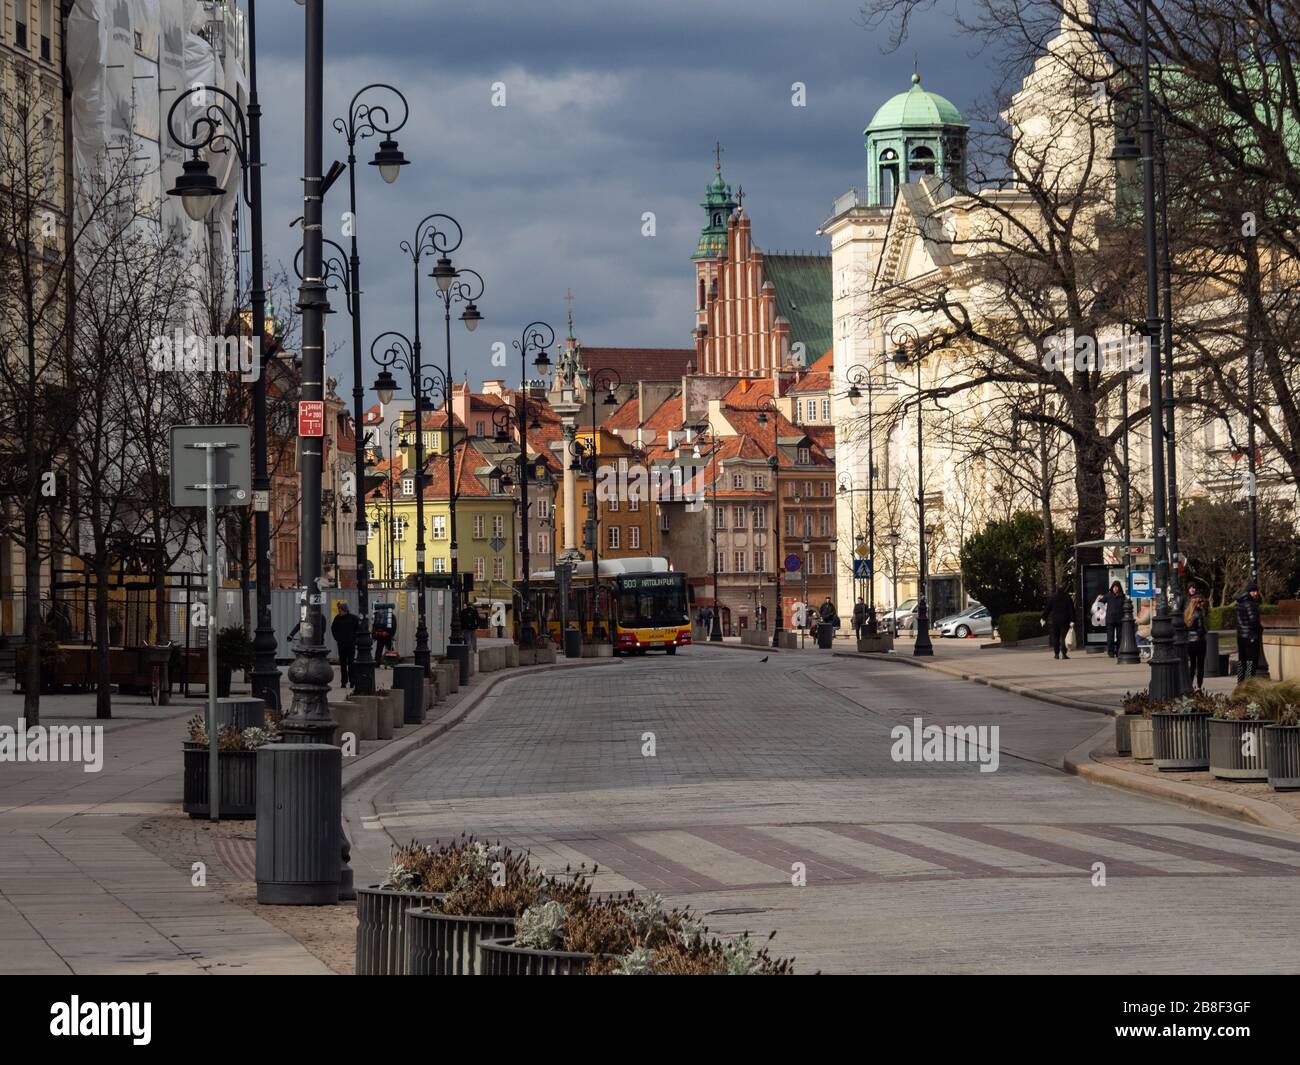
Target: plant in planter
1136 705
234 651
625 936
236 762
1180 735
1282 749
1140 726
1236 732
436 902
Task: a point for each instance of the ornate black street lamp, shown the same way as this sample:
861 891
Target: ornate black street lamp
521 471
365 119
766 405
858 375
394 349
221 127
1168 679
900 336
536 338
593 381
715 625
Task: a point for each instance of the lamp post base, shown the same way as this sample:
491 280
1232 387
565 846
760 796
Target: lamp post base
1164 660
1126 653
363 668
922 647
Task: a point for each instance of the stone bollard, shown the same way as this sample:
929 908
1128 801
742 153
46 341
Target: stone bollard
395 709
450 669
383 716
348 718
368 725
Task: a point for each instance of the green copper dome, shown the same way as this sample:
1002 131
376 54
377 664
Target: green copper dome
718 205
915 109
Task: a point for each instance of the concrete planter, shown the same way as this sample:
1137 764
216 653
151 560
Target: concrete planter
394 701
875 644
1180 742
238 769
384 717
500 957
1227 738
441 944
348 717
512 657
1282 754
368 719
381 929
450 671
1123 733
1140 739
597 650
537 656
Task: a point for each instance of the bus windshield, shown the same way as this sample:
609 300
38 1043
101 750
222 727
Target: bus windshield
652 601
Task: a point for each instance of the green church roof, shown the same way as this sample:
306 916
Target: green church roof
803 297
718 205
915 109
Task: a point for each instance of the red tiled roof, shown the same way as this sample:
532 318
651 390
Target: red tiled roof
641 364
812 381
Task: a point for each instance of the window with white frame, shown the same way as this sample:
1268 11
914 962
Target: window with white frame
399 568
544 543
826 523
498 525
439 564
543 508
478 526
828 563
611 504
408 486
586 498
760 563
760 516
739 562
634 504
826 408
399 529
615 537
479 569
738 519
760 482
737 480
498 568
824 489
803 457
634 536
440 526
790 518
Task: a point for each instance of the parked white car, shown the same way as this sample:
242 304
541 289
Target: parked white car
892 620
975 620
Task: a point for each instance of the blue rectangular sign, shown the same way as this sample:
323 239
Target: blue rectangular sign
1141 584
862 568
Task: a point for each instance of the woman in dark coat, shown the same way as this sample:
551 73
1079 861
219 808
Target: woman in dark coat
1114 617
1194 617
1250 631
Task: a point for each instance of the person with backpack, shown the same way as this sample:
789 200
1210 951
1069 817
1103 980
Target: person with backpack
384 631
469 625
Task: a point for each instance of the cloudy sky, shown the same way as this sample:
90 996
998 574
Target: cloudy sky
611 111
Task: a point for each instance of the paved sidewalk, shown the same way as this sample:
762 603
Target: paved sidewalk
80 894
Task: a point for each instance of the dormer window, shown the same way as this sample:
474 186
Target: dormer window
804 456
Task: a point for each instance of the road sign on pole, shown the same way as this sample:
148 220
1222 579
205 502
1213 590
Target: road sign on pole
1141 584
793 562
862 568
210 468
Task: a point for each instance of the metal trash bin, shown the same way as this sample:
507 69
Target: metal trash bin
459 653
409 679
1215 666
572 643
825 636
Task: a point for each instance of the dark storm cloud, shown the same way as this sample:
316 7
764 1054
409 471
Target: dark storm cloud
611 111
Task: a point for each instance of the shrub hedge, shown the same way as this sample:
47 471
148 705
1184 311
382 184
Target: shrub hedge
1020 626
1225 617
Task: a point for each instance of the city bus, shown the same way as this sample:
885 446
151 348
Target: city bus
643 605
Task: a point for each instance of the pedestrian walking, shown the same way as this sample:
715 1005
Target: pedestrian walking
859 618
1250 631
344 630
1058 616
469 624
384 631
1194 617
1114 617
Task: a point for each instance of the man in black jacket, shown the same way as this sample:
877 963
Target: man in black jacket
1114 617
1250 631
344 630
1059 616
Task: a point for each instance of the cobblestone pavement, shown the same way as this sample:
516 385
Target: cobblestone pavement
762 768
